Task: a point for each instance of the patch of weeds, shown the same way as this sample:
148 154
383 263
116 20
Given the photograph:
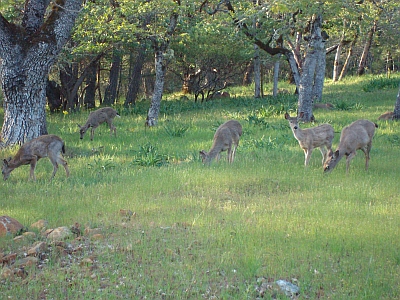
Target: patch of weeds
380 83
394 140
176 130
346 105
261 143
148 156
100 165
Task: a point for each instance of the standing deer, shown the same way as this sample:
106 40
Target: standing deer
97 117
225 138
49 146
357 136
310 138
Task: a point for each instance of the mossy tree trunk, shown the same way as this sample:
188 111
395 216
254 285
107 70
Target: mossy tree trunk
28 50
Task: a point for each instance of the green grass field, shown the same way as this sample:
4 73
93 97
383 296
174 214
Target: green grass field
213 232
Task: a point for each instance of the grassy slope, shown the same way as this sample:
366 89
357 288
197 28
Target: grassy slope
201 231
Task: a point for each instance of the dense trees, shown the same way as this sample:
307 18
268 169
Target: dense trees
121 47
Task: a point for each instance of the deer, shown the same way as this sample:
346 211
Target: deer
386 116
97 117
49 146
310 138
225 138
356 136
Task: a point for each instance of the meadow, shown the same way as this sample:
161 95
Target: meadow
223 231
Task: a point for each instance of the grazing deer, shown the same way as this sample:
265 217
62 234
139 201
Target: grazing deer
97 117
310 138
356 136
49 146
386 116
225 138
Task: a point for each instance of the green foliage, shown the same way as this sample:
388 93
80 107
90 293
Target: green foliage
380 83
346 105
148 156
175 129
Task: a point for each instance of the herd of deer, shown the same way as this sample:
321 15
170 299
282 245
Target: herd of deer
356 136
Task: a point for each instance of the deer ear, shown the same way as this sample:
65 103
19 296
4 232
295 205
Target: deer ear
287 116
301 114
78 125
336 154
5 161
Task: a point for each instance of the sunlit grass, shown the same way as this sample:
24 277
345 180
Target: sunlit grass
211 231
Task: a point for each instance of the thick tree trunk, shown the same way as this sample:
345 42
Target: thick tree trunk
27 53
319 74
396 114
257 72
367 47
136 77
110 93
152 116
314 58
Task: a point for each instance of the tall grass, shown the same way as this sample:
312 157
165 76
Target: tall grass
207 232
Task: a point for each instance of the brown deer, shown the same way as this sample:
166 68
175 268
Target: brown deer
386 116
97 117
310 138
49 146
225 138
356 136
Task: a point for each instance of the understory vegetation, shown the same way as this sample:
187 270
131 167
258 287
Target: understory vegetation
195 231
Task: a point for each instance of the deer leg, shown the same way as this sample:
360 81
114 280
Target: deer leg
92 133
324 153
366 152
307 153
348 160
33 166
233 154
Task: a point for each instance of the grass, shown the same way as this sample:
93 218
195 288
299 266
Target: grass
207 232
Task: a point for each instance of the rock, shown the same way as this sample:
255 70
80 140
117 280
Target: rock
9 259
9 225
29 234
7 273
41 224
37 248
26 261
59 234
288 288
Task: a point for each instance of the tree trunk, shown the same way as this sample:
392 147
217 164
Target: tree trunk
110 93
257 72
27 52
313 59
335 74
276 77
136 77
152 116
347 61
90 90
160 65
319 74
396 113
367 47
